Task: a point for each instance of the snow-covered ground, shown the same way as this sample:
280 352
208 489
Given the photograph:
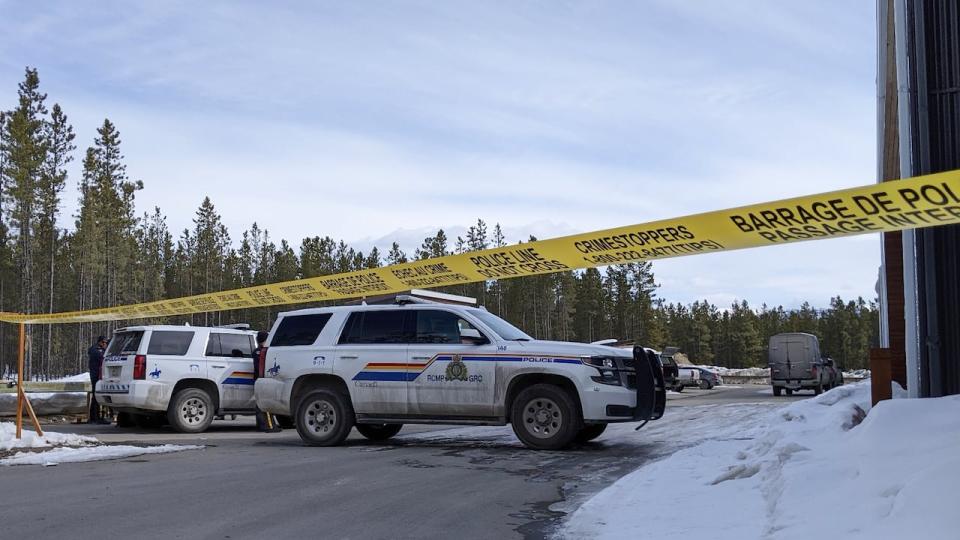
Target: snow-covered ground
765 372
807 470
55 448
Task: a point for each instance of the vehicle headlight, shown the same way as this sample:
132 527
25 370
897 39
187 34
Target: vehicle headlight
600 361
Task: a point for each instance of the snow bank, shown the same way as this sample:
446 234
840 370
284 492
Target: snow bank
81 377
68 448
93 453
808 470
8 440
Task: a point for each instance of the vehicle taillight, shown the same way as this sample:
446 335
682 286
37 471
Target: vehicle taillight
262 362
813 371
139 367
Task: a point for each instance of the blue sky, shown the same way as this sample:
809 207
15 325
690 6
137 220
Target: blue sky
378 121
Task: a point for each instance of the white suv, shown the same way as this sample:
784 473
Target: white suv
380 366
189 374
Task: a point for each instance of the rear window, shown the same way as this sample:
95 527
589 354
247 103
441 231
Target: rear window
299 330
376 327
170 342
232 345
124 343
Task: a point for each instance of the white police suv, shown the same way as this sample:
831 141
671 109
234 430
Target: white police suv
377 367
184 374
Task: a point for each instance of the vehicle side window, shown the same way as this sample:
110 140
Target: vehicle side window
235 345
230 345
170 342
213 345
299 330
435 326
376 327
124 343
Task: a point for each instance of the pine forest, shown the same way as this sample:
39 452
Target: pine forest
112 253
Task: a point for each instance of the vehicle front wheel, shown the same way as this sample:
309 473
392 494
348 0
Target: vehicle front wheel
324 417
705 385
191 410
545 417
678 388
777 390
379 432
589 432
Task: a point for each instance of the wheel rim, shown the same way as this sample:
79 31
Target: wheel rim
320 418
193 411
542 418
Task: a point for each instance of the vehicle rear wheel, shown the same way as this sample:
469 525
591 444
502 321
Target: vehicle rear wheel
379 432
589 432
324 417
545 417
777 390
789 392
191 410
817 389
705 385
678 388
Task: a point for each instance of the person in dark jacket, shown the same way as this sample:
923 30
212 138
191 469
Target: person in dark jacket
265 421
95 355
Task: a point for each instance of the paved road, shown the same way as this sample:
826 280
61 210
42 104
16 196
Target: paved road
429 482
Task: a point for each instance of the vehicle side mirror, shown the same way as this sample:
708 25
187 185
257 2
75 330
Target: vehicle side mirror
472 336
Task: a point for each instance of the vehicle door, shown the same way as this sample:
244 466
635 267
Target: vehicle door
118 362
371 355
451 371
229 358
799 363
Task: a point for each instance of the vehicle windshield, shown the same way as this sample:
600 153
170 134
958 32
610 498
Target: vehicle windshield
501 327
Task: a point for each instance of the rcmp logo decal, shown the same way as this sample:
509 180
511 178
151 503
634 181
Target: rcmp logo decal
456 369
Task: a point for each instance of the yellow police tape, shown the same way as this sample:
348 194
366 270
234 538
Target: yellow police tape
903 204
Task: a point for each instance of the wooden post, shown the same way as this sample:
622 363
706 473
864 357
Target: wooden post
881 362
20 381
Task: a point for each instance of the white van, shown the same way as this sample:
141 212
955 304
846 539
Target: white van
187 374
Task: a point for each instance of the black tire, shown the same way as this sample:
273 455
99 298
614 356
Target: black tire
191 410
817 389
589 432
705 385
125 419
545 417
789 392
678 388
286 422
777 390
379 432
324 417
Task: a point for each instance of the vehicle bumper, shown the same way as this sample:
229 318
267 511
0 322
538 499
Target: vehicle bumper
795 384
604 403
273 395
135 395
